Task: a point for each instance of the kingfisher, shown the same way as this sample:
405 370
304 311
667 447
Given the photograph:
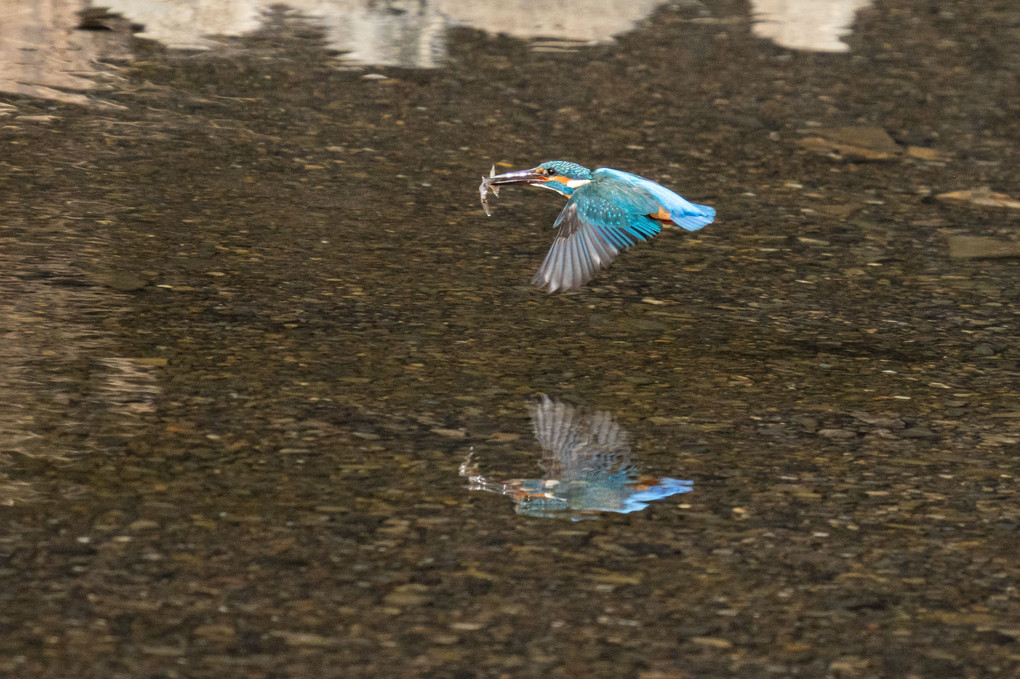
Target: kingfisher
587 467
607 212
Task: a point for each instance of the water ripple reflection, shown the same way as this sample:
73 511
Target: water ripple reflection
61 49
52 50
65 389
588 468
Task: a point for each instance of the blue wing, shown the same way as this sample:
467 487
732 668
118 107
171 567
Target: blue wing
592 232
663 488
606 216
682 212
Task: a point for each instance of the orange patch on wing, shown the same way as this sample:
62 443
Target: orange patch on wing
662 215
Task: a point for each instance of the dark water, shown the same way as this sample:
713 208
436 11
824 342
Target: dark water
257 335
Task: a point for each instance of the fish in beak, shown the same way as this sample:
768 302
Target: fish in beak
494 181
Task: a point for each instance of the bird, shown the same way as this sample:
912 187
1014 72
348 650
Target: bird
607 212
587 467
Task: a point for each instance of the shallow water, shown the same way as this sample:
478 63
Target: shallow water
255 321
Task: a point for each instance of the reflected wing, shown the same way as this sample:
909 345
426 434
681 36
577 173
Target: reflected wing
597 223
575 443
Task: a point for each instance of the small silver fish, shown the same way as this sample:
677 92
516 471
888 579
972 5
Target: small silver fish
484 189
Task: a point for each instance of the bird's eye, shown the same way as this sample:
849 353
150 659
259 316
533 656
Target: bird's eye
549 172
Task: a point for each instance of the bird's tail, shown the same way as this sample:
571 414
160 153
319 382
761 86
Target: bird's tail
693 216
682 212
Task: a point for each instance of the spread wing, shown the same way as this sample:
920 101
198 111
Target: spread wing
597 223
606 216
576 443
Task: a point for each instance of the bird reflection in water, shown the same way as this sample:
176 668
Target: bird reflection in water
587 463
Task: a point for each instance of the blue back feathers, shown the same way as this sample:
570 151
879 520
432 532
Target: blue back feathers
682 212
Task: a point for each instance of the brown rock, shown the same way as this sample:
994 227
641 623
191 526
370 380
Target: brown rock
852 143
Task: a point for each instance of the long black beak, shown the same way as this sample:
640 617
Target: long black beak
520 177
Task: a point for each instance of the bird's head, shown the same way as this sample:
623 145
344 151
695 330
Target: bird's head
559 175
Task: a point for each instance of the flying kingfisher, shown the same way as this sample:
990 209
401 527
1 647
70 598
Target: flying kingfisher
608 211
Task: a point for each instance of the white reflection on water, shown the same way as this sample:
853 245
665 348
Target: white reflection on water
394 32
412 32
587 468
406 33
43 53
815 25
586 21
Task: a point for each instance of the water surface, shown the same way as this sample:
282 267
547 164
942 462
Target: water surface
254 321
